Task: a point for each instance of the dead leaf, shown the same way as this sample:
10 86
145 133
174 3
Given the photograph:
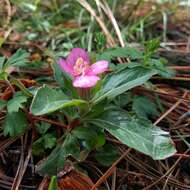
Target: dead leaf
75 181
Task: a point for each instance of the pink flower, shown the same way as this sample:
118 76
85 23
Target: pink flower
77 64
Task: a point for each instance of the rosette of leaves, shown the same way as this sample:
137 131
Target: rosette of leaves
88 120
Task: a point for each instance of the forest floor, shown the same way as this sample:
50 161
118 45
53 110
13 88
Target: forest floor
48 29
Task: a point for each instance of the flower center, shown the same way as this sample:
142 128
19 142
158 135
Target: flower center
80 67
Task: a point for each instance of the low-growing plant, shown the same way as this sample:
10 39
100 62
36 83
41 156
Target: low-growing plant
91 98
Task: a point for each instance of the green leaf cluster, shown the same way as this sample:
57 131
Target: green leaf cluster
19 58
111 108
46 141
16 121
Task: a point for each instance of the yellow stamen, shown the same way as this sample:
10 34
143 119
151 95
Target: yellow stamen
80 66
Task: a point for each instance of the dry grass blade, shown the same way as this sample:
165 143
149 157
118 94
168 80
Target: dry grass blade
170 110
149 172
9 11
86 5
99 8
114 180
167 173
6 143
43 184
180 68
110 15
15 183
96 171
110 170
23 163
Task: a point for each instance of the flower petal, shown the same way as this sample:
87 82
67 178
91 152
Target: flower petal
77 53
98 67
85 81
66 67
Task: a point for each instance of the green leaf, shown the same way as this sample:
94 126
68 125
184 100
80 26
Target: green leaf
49 141
3 76
19 58
3 103
42 127
58 75
43 143
144 107
56 160
107 154
100 40
38 147
97 109
87 134
152 45
126 52
2 40
47 100
16 102
123 99
53 183
15 123
101 140
159 65
90 136
136 133
117 83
